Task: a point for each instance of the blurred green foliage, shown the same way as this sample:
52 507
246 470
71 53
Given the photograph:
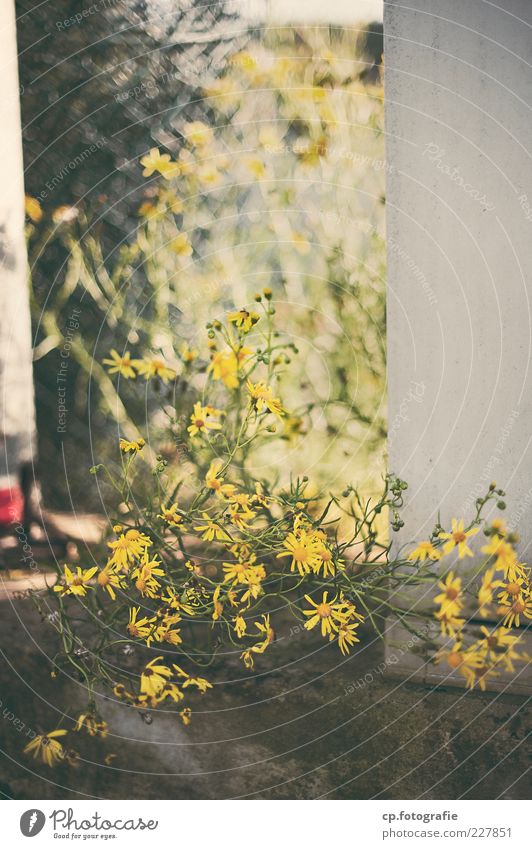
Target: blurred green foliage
280 185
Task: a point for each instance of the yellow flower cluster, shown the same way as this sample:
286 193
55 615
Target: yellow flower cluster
504 593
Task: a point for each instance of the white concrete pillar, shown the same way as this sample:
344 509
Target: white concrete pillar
17 416
458 88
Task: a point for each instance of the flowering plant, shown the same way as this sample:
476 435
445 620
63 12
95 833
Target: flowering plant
225 548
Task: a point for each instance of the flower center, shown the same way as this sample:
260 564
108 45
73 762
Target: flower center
77 581
492 641
459 536
199 423
300 554
324 610
513 588
454 659
518 606
451 593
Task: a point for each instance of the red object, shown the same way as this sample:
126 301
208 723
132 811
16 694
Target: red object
11 505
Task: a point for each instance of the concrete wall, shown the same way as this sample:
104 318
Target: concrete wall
17 414
459 139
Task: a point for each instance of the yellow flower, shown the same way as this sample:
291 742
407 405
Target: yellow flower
165 633
47 747
93 726
497 646
256 167
76 583
247 658
216 483
512 589
240 625
485 593
197 133
304 551
132 446
326 564
201 683
293 426
121 365
245 61
262 398
203 419
180 245
464 661
217 604
244 319
240 520
33 209
109 581
458 539
505 557
301 243
450 622
224 366
173 601
153 677
347 636
238 573
269 136
499 526
513 609
208 174
424 550
185 715
450 599
188 355
169 202
127 548
143 627
154 367
146 575
160 162
266 631
170 515
211 530
330 614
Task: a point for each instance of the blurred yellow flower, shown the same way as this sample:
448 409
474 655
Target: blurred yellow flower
120 365
160 162
197 133
33 209
154 367
424 550
180 245
129 446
